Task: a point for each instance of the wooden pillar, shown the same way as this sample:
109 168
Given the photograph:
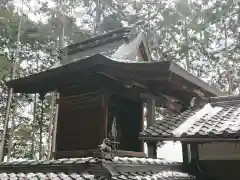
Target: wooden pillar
55 124
152 146
150 111
185 153
105 117
194 153
142 127
152 149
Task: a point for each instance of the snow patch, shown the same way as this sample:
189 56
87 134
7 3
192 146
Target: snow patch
208 111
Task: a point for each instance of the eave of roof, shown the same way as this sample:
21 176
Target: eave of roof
218 120
51 79
119 168
168 175
198 82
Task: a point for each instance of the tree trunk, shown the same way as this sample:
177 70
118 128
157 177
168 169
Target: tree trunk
10 94
40 122
60 44
98 16
226 56
11 133
33 145
187 47
50 130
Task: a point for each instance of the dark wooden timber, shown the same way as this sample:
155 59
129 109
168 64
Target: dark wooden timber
190 139
121 153
194 153
96 153
221 169
77 153
185 153
154 72
131 168
152 149
217 100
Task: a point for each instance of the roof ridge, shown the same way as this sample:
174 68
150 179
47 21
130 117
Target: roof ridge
199 102
91 39
96 41
124 159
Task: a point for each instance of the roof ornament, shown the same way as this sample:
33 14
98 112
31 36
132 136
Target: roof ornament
114 132
108 145
105 149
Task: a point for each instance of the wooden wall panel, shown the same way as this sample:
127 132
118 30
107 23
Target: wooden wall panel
221 169
128 115
80 124
219 151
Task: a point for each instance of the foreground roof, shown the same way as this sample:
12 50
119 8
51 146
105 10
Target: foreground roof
94 168
86 176
214 118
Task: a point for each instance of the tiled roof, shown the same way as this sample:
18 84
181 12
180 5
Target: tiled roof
107 44
116 160
217 119
46 162
168 175
54 169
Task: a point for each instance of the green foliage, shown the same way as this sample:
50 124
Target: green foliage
5 64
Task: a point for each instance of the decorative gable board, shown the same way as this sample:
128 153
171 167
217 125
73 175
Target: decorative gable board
131 46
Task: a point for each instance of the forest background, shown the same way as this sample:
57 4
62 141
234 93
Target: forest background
202 36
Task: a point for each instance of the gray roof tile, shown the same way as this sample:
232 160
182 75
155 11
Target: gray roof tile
165 174
123 160
56 162
215 120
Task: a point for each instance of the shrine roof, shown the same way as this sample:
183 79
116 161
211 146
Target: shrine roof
94 168
121 55
148 73
210 119
124 43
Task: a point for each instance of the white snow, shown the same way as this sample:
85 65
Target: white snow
208 111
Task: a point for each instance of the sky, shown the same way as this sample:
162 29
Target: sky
171 151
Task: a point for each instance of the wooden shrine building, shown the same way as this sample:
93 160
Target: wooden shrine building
103 83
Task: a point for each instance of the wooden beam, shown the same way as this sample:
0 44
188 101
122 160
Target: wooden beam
138 75
96 153
185 153
194 153
163 101
151 112
145 93
152 149
121 153
128 168
188 139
